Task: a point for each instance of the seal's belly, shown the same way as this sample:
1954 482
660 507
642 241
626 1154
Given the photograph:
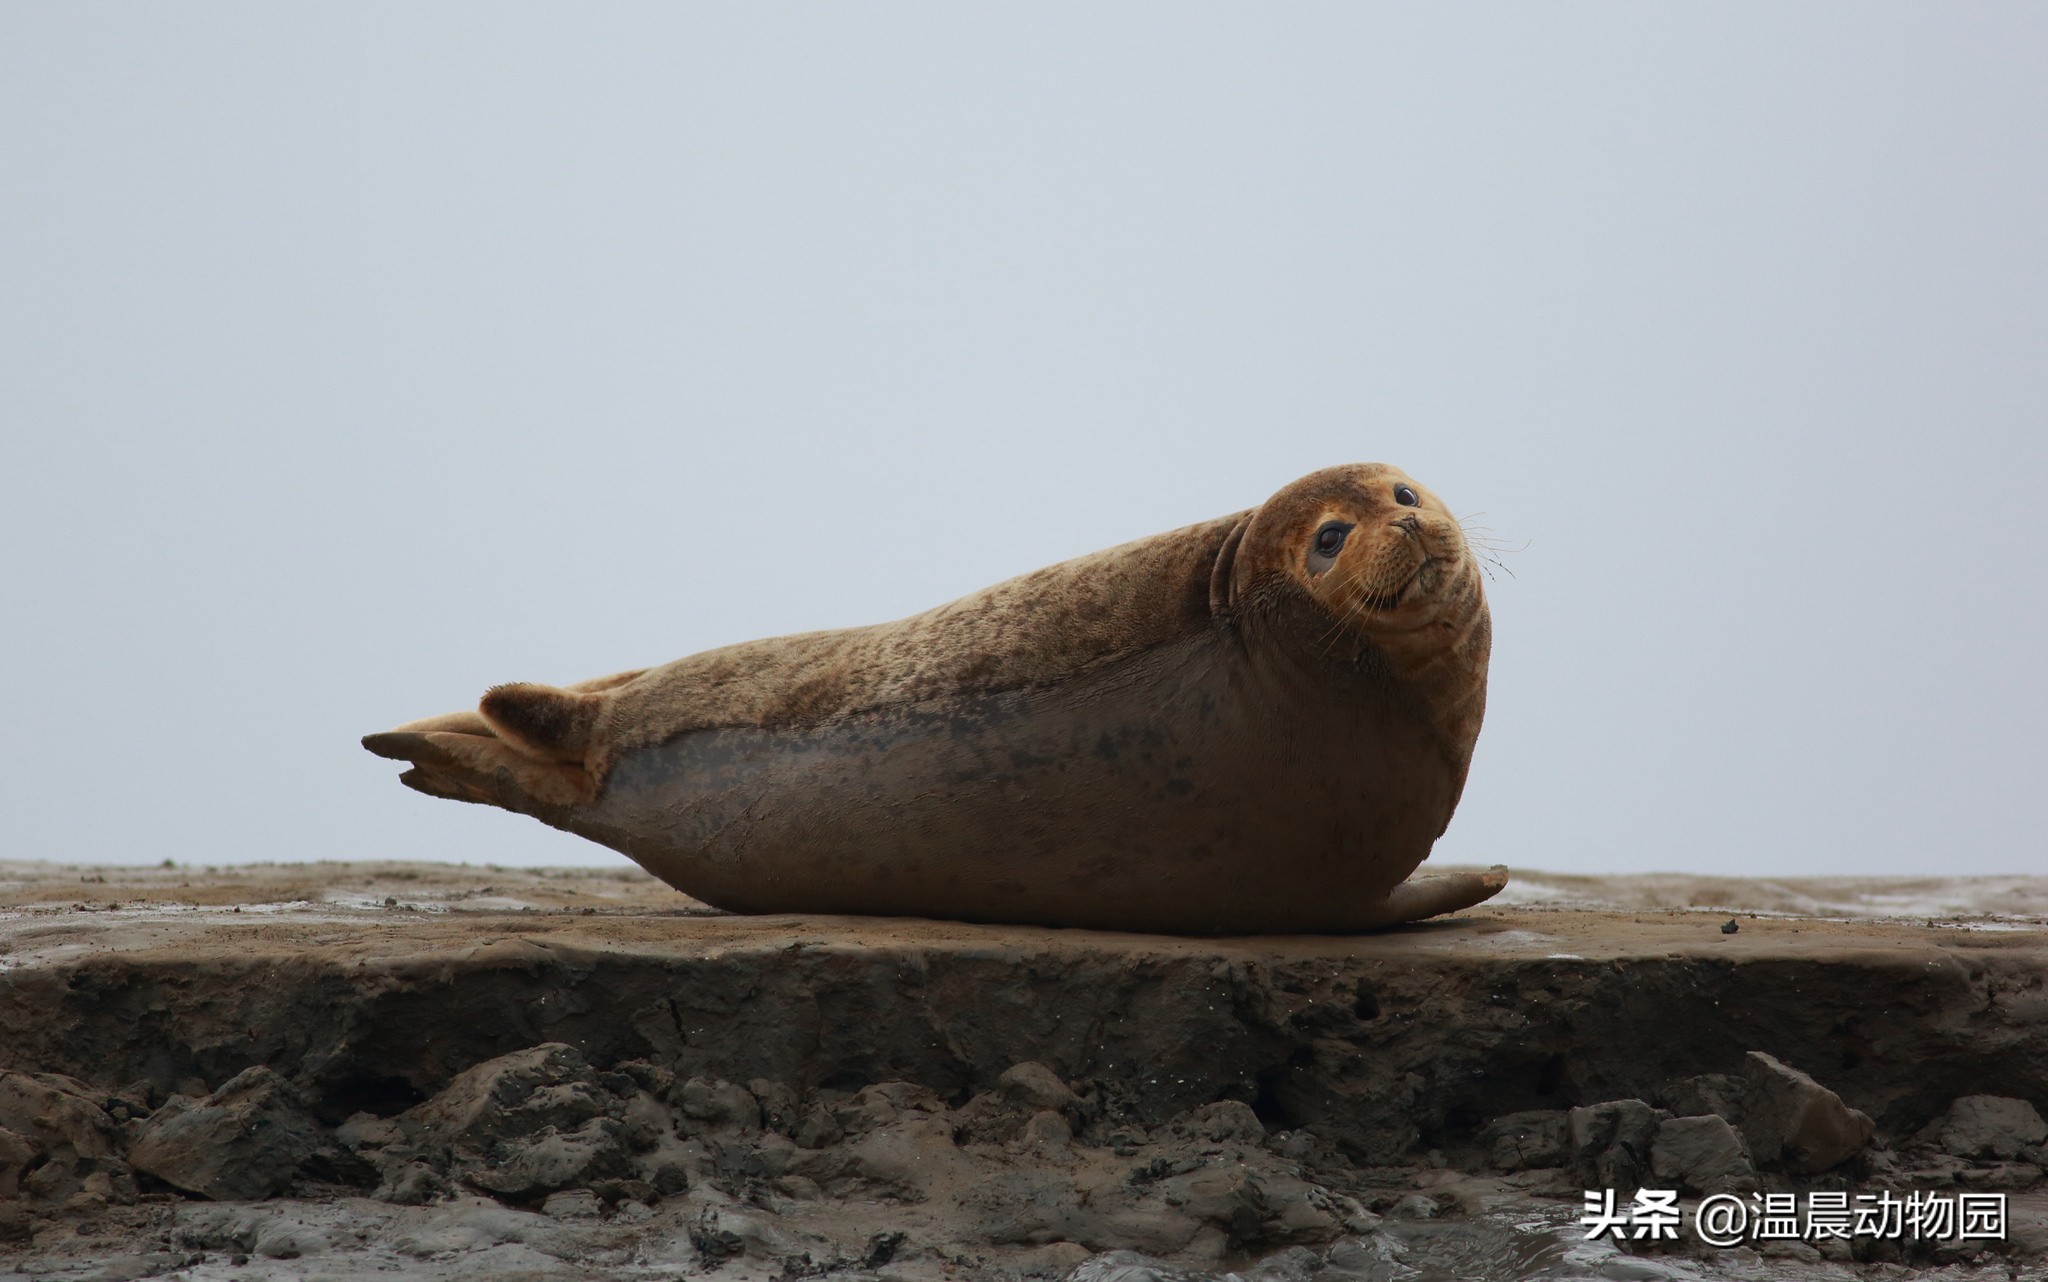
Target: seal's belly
1167 796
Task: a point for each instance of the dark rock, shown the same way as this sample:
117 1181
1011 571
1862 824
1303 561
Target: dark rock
525 1125
1415 1206
1991 1126
530 1167
715 1105
881 1249
780 1110
367 1131
513 1095
668 1168
1228 1197
1721 1094
626 1190
652 1078
1225 1121
572 1204
1035 1087
411 1184
1610 1142
1527 1141
1701 1155
1132 1266
715 1244
246 1140
818 1128
17 1154
1044 1131
879 1105
59 1115
1794 1123
2000 1176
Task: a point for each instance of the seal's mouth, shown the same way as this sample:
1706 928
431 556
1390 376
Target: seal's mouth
1389 600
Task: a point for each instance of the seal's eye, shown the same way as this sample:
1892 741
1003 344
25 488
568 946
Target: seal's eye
1331 538
1406 497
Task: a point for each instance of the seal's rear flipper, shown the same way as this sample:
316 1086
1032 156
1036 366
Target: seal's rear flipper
544 722
482 768
1435 895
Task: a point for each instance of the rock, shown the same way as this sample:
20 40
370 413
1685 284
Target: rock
1053 1260
1527 1141
530 1167
715 1243
2000 1176
668 1167
1794 1123
649 1077
1045 1132
536 1122
1132 1266
1414 1206
882 1248
59 1115
1228 1197
1610 1142
879 1105
1225 1121
285 1238
513 1095
646 1120
716 1105
246 1140
780 1111
572 1204
818 1128
1701 1155
366 1130
1035 1087
1991 1126
17 1154
411 1184
1720 1094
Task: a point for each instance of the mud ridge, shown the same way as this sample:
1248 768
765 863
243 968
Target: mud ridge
502 1072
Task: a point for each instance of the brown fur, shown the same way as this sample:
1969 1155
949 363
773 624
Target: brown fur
1400 603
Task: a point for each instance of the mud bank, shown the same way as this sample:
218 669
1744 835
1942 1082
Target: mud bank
491 1073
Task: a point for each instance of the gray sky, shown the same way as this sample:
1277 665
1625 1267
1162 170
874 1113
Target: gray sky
355 357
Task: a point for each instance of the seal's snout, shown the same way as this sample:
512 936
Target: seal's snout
1410 525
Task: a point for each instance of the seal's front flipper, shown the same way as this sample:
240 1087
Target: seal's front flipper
1435 895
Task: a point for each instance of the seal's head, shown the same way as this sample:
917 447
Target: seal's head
1381 559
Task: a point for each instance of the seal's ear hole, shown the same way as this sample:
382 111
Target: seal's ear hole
1328 542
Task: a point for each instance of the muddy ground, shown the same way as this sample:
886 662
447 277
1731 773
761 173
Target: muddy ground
457 1072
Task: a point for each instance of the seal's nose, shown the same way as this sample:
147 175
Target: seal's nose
1409 525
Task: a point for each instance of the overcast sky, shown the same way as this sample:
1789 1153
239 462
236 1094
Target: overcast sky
355 357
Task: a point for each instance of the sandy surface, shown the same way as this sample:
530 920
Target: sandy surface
783 1096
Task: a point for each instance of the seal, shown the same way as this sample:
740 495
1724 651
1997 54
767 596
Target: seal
1258 724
